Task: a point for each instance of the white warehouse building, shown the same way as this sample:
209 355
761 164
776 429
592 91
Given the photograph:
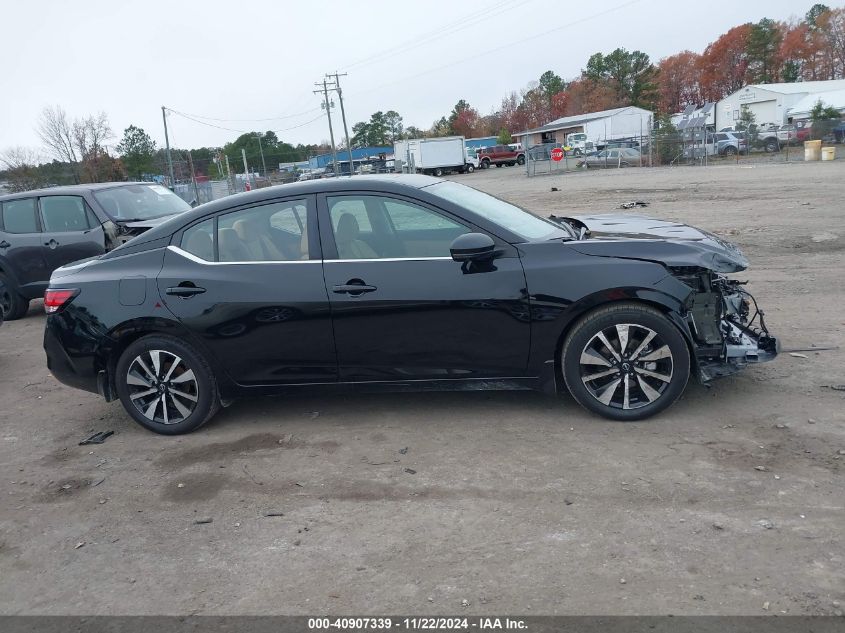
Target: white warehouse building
770 103
598 126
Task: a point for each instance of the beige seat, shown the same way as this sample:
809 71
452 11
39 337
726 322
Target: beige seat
200 244
259 246
349 246
230 246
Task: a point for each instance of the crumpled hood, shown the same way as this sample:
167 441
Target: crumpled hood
633 236
146 224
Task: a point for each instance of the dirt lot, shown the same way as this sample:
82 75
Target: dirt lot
520 503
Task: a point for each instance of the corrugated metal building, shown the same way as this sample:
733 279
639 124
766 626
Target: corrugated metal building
770 103
617 123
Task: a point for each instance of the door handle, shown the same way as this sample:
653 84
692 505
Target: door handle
353 287
52 243
184 291
4 244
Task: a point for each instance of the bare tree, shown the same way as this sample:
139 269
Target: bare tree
57 134
21 168
89 137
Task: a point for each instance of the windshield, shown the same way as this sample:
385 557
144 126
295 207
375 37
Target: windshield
140 202
516 220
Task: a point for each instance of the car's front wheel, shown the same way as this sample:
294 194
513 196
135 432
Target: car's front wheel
166 385
625 362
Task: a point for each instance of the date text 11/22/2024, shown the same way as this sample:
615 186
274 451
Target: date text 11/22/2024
420 623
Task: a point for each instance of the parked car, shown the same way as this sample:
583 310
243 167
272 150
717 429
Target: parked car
803 130
727 143
619 157
398 282
770 139
787 134
499 155
44 229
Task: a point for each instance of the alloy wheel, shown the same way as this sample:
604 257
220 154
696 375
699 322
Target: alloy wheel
162 386
626 366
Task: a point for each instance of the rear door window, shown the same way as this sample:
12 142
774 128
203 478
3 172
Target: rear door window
19 216
64 214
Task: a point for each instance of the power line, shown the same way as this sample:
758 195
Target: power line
442 31
229 129
275 118
503 47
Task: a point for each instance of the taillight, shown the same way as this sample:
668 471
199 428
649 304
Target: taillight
56 299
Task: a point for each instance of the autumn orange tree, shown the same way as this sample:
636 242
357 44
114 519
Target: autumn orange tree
678 81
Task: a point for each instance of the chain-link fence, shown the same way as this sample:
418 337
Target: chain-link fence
691 147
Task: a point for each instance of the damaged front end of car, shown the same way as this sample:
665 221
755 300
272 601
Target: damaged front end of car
727 325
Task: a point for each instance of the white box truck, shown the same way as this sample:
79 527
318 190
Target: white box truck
433 156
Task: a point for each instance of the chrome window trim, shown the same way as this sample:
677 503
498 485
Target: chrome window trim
387 259
199 260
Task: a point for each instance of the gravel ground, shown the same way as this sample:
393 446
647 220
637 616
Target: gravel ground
729 503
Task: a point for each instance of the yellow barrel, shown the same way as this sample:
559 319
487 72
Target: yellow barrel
812 150
828 153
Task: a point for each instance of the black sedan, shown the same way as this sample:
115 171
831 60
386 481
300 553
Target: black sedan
394 283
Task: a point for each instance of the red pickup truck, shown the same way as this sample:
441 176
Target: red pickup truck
499 155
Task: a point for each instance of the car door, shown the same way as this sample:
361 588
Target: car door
403 309
22 246
70 230
248 283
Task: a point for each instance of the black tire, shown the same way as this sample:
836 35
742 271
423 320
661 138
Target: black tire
498 164
730 150
520 160
511 164
772 146
485 164
206 399
438 172
14 306
658 392
577 152
469 169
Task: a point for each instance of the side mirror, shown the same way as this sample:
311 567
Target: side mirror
471 247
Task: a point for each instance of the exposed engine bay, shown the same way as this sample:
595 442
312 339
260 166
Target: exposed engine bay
720 318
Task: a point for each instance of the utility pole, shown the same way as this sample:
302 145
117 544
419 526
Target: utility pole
167 144
327 108
229 182
343 116
193 177
261 151
248 180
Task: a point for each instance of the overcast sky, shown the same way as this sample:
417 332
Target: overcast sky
257 59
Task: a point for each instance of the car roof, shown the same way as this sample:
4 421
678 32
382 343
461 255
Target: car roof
71 189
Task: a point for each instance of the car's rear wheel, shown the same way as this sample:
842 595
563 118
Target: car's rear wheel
166 385
14 306
625 362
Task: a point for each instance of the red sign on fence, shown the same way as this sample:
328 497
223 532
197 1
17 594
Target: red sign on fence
557 154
